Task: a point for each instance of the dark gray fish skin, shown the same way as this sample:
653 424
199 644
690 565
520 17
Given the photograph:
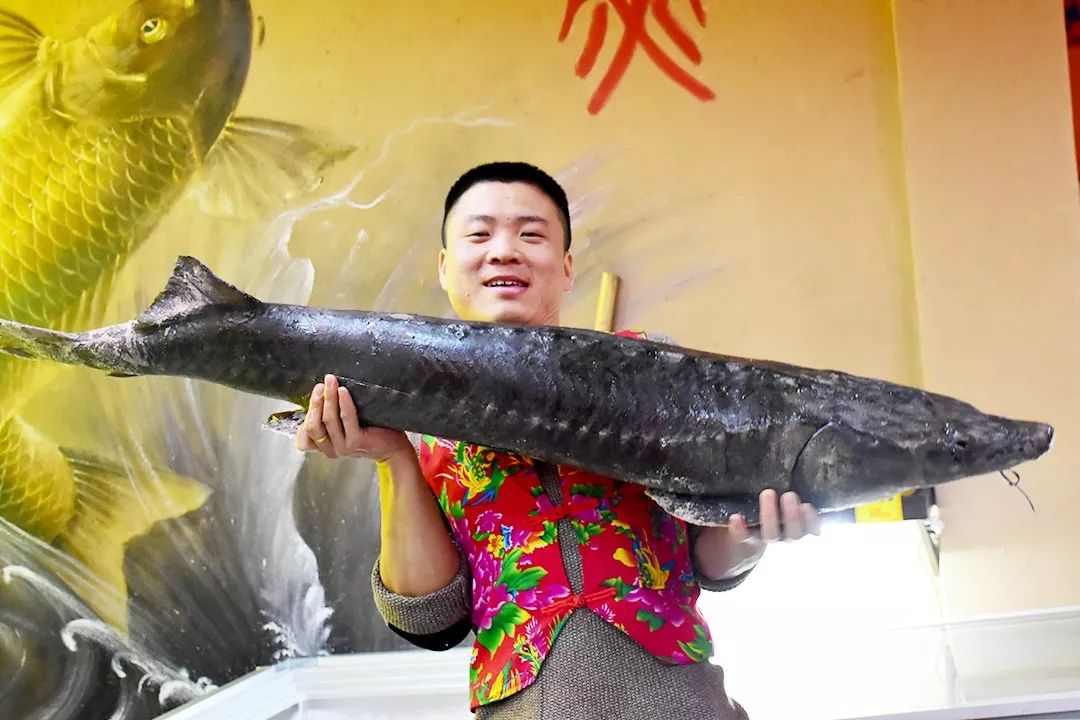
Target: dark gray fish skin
704 432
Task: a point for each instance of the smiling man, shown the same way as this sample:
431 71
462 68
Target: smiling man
581 591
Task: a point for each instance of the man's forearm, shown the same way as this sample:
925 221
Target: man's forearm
417 556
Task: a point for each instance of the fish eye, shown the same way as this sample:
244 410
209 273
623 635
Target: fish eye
153 30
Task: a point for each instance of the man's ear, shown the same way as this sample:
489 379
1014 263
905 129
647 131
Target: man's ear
442 268
568 272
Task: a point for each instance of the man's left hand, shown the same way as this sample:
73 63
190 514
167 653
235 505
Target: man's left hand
733 549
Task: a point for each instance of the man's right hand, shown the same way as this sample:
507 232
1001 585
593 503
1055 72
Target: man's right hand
416 555
332 428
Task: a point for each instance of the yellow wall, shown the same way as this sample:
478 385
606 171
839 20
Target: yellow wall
824 209
993 184
767 222
887 193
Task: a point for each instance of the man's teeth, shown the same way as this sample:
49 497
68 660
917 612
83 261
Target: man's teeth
505 283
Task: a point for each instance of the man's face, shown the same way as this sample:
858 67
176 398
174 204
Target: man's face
504 259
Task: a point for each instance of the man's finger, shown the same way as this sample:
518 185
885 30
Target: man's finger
811 519
331 416
313 434
303 439
792 513
349 421
737 529
770 516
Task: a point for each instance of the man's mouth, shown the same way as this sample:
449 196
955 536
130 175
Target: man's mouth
505 282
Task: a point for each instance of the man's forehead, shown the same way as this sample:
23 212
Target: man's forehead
493 199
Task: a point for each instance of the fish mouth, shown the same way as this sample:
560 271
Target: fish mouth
96 58
93 49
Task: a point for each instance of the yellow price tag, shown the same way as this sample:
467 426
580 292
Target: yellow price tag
891 510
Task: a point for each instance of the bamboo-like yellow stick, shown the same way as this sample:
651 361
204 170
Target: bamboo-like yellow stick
605 305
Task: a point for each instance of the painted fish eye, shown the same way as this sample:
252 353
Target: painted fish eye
153 30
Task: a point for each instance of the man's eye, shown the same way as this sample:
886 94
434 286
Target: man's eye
532 234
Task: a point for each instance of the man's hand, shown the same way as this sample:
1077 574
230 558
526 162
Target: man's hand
332 428
416 553
728 551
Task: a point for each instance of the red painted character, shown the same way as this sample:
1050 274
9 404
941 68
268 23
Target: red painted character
634 15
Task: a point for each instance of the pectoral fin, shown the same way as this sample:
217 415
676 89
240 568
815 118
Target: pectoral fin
256 166
20 41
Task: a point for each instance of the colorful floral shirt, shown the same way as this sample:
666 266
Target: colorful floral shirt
638 573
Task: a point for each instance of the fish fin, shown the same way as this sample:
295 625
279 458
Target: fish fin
286 422
192 287
20 42
114 506
256 166
707 509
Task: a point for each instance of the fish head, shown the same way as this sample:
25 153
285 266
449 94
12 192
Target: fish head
186 58
966 442
907 439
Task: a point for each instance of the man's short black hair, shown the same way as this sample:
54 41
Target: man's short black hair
510 172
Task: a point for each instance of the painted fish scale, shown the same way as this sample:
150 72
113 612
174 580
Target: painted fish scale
80 204
30 495
89 206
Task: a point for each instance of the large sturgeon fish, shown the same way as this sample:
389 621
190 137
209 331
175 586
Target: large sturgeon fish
704 433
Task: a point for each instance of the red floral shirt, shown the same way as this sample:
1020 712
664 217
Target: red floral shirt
636 563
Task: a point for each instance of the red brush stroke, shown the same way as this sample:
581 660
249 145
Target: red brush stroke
595 41
699 11
662 13
572 7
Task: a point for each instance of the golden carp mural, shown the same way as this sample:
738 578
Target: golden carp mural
738 166
100 135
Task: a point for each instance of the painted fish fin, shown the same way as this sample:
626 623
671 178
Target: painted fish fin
20 41
112 508
192 287
256 166
707 509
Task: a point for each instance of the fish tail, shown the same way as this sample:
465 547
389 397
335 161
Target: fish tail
35 343
286 422
115 504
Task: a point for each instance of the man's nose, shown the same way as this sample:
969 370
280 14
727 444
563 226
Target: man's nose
503 248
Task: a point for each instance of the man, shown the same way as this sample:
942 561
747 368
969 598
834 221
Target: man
581 591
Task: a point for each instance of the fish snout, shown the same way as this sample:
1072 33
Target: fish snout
1043 438
1033 439
990 445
